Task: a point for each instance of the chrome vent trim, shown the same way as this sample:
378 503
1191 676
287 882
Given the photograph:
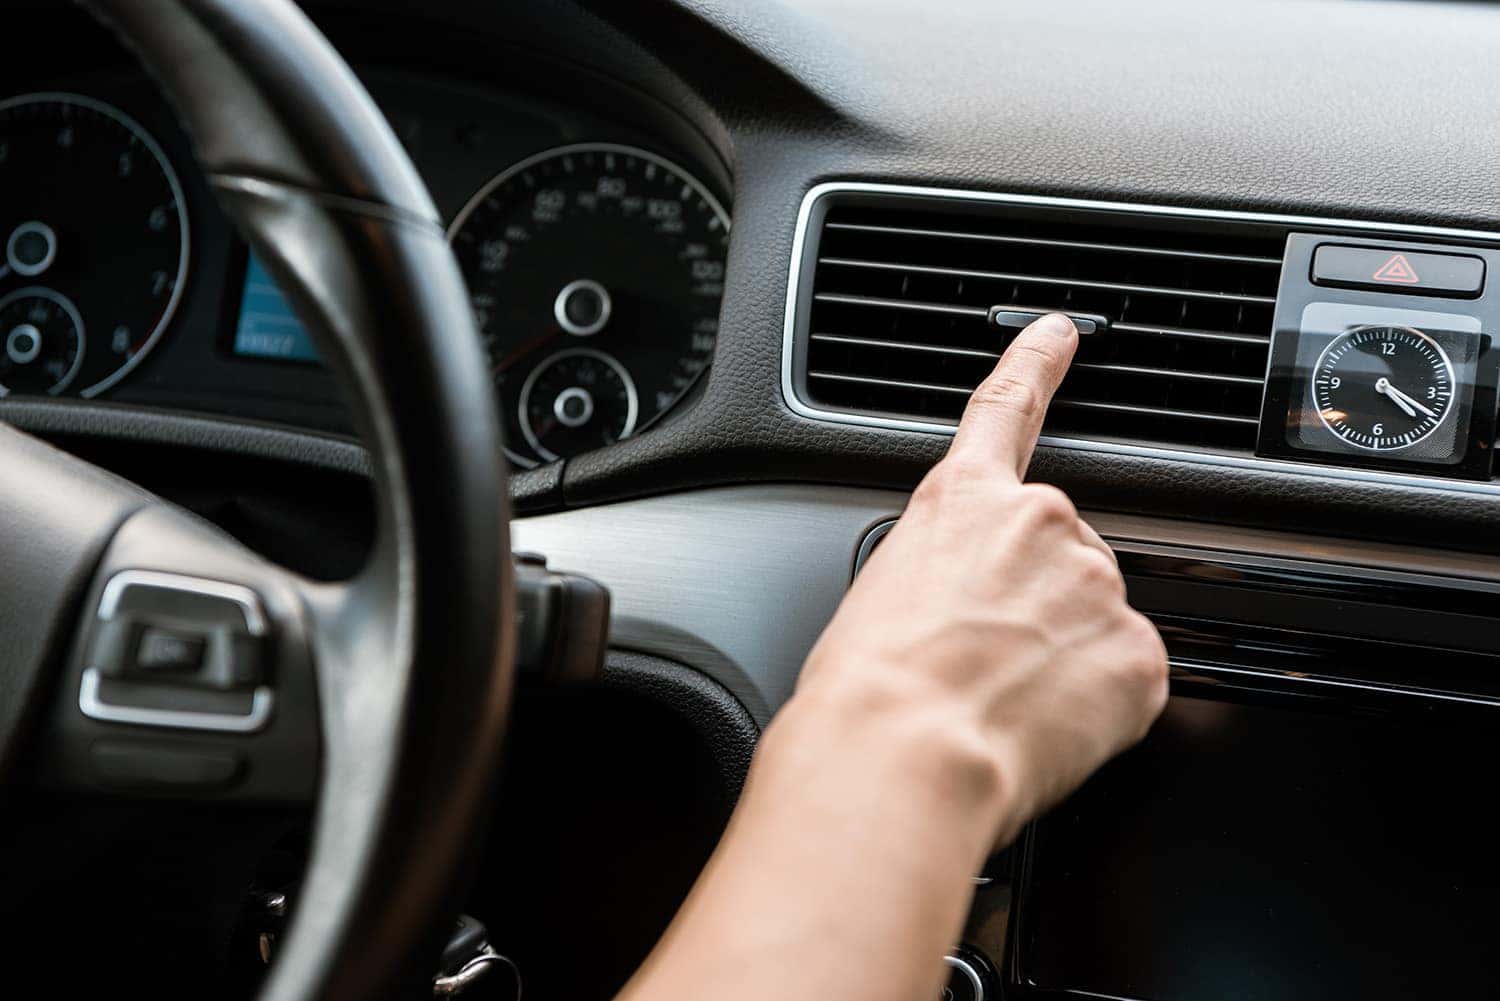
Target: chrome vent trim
796 283
897 321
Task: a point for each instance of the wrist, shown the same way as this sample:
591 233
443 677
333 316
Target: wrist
937 773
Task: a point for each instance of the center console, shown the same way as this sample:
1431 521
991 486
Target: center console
1309 817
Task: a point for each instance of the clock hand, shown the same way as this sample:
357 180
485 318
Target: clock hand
1384 388
1398 395
1425 410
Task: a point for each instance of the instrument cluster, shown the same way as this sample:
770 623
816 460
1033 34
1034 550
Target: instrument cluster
595 265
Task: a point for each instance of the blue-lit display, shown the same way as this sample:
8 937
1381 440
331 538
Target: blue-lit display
267 327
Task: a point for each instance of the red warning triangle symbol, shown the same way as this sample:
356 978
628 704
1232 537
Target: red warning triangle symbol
1398 270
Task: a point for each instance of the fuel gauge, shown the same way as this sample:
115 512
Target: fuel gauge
41 341
575 401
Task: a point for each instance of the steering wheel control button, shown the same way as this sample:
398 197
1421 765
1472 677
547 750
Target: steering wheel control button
176 651
1390 269
1016 318
163 651
582 308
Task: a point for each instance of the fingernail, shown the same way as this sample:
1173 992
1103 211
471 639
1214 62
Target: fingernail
1056 324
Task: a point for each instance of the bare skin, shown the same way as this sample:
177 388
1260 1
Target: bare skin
982 666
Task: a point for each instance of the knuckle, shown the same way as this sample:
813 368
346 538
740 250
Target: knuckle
1002 391
1049 505
930 491
942 481
1147 656
1098 571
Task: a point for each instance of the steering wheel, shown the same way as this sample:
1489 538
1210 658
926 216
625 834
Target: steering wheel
141 648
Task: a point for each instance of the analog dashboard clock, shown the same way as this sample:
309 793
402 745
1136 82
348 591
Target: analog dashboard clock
1386 381
1382 388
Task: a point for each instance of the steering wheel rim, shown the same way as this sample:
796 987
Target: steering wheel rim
402 675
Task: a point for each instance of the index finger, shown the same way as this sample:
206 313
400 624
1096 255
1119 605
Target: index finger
1004 416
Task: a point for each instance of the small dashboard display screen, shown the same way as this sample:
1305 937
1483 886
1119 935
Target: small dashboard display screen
267 327
1256 852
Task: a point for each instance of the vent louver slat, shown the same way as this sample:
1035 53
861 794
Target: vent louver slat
896 323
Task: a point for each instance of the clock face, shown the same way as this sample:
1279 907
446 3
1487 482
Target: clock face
1383 388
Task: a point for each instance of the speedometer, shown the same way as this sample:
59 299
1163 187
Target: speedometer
595 273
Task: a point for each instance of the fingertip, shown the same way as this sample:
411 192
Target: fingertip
1053 337
1054 325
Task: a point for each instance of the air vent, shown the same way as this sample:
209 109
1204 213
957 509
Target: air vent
893 323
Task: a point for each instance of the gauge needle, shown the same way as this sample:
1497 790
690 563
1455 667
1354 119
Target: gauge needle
524 350
1400 399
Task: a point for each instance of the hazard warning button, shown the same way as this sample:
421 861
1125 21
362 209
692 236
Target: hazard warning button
1389 269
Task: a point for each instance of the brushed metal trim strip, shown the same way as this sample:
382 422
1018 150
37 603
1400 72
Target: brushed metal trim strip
1204 458
1249 548
1187 670
739 581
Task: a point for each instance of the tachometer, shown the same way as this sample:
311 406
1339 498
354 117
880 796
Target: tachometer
595 273
95 238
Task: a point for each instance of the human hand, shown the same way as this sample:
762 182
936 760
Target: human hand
988 637
982 665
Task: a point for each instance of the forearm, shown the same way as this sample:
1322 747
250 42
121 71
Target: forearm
845 872
981 666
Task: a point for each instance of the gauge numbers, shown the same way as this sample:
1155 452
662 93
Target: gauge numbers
595 273
1382 388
